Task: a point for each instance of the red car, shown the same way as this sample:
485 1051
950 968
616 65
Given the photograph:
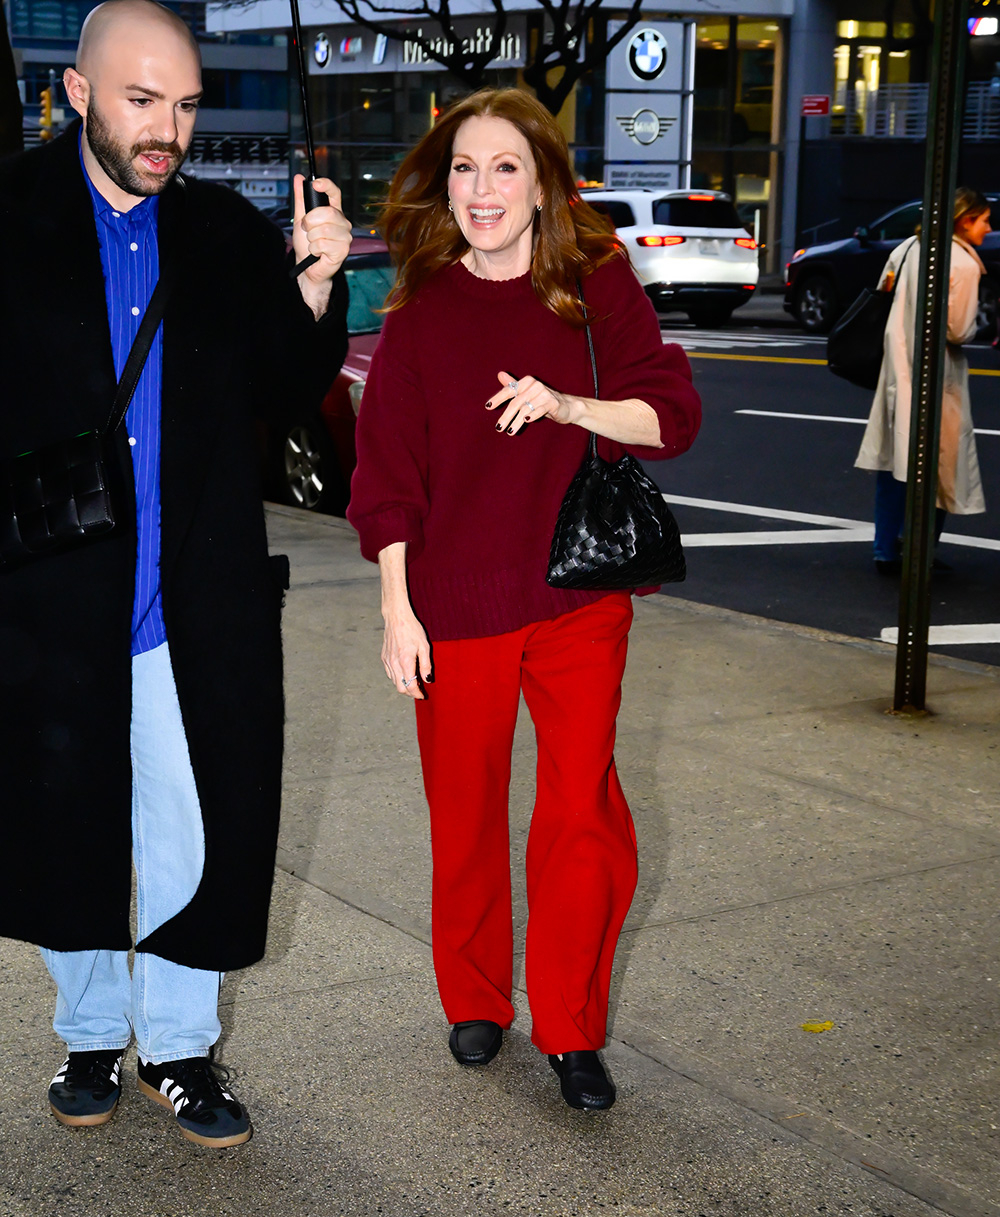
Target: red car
311 464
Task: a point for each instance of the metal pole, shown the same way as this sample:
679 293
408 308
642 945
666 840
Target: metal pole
303 86
944 124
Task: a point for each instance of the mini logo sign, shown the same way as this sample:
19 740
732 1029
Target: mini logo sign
645 126
321 50
647 54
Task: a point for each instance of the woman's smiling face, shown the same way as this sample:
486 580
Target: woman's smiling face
493 189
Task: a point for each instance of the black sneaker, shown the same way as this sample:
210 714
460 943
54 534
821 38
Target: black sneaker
87 1088
206 1112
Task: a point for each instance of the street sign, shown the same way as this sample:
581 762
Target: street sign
815 105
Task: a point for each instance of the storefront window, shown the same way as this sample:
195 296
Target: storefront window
737 117
861 29
871 63
734 81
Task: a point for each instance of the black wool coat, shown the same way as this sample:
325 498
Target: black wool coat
238 343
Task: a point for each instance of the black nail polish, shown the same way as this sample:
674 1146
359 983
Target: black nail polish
499 426
510 430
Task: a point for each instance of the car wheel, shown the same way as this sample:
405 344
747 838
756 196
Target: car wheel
986 318
310 476
710 316
816 307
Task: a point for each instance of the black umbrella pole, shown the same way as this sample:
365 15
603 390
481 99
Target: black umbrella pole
311 197
944 120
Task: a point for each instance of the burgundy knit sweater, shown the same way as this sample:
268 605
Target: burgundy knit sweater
478 508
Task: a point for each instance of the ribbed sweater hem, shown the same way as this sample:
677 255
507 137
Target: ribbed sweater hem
453 605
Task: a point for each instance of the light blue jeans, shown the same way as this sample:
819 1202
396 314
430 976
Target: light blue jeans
173 1010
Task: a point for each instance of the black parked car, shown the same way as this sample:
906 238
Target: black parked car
821 281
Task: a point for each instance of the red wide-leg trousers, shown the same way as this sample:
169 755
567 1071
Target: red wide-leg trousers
581 856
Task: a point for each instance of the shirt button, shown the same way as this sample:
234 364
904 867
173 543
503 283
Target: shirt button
117 215
135 311
133 247
131 440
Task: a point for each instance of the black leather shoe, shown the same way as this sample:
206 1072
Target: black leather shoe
475 1043
584 1083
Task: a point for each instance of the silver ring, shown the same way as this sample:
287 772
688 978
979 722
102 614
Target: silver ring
527 407
513 385
409 682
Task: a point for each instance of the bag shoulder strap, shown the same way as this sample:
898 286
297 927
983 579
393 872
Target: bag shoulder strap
593 359
902 261
140 348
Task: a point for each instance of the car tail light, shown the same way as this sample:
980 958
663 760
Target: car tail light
745 242
798 254
701 198
648 241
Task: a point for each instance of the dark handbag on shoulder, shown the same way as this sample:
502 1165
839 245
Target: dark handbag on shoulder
63 495
855 346
614 530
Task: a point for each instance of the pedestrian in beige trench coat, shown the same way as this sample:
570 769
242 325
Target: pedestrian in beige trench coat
885 447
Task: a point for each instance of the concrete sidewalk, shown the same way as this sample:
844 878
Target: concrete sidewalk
805 858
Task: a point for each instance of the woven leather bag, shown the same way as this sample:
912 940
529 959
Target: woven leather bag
56 496
614 531
63 495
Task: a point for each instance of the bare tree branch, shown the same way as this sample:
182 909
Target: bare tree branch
572 38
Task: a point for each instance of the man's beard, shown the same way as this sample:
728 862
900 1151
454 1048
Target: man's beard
117 161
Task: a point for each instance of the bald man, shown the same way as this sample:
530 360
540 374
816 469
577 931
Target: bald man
142 709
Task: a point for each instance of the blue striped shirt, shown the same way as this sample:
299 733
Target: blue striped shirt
130 258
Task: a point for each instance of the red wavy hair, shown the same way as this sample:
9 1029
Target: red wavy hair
571 238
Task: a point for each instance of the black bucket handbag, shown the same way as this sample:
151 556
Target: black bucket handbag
614 531
854 348
63 495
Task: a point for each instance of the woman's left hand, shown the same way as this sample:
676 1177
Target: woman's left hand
527 400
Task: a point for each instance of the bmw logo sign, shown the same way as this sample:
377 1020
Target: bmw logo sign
647 54
321 50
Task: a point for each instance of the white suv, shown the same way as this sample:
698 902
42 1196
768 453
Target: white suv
688 249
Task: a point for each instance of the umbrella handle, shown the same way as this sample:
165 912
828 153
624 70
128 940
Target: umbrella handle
312 198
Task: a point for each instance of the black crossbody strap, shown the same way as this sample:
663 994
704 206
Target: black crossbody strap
593 360
140 348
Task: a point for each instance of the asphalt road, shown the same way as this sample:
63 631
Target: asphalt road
776 519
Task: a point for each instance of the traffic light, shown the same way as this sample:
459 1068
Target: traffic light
45 116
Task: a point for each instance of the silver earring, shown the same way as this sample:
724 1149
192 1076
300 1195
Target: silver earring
538 207
450 208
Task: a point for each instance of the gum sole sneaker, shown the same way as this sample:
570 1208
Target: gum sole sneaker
192 1088
86 1090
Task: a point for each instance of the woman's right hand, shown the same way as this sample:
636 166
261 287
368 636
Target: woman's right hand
406 653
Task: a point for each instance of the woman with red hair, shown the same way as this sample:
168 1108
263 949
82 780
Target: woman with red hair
476 415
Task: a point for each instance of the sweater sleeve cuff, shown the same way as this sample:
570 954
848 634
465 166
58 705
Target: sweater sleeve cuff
387 528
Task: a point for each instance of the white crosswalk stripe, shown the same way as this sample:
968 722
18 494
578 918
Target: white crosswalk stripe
952 635
828 530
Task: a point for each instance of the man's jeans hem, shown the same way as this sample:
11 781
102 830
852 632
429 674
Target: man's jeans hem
176 1056
99 1046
